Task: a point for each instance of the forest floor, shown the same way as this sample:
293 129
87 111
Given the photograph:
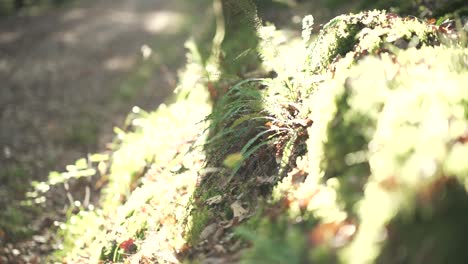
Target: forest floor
69 75
62 75
234 166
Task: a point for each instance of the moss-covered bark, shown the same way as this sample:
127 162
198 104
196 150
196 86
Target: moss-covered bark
354 36
385 181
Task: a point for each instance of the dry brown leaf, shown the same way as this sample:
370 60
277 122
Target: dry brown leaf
266 180
324 232
208 231
239 211
214 200
169 220
336 233
219 249
218 234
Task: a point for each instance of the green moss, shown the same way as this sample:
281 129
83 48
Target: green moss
420 8
431 232
349 116
239 48
381 145
229 129
275 242
405 109
366 32
200 218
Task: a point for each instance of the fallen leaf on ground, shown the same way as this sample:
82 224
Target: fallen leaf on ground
239 211
218 234
127 245
266 180
219 249
169 220
214 200
208 231
336 233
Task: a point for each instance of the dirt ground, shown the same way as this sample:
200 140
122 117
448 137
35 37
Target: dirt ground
69 75
60 75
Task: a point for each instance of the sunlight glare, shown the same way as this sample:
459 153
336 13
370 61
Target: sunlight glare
119 63
163 21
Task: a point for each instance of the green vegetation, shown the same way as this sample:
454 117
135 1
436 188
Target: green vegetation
346 146
362 78
419 8
14 220
378 149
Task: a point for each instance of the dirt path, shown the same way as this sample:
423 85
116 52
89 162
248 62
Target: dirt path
61 77
69 75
